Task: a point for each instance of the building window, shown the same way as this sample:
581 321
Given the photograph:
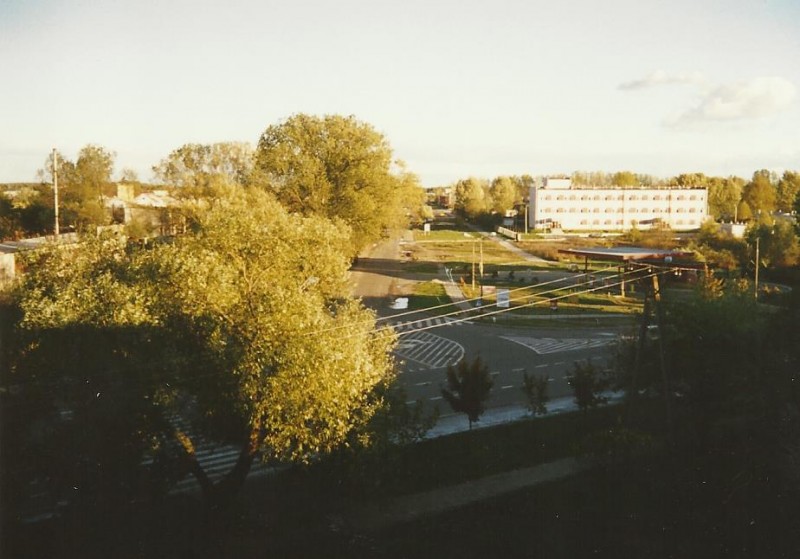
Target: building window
656 197
560 210
679 222
547 197
632 210
596 222
572 197
692 197
609 210
596 210
643 210
644 197
633 197
681 197
692 210
607 222
609 197
584 210
584 222
679 210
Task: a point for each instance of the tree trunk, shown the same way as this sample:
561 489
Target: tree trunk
218 495
229 486
194 466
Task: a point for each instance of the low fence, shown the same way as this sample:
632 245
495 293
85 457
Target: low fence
513 235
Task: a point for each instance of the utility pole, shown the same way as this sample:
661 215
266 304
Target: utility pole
757 258
55 190
473 266
480 268
526 219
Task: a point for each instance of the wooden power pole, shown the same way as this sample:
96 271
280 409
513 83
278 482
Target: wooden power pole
55 190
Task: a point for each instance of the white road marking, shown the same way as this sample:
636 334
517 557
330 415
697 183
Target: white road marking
558 345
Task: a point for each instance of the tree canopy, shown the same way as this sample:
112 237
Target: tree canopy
202 169
243 328
336 167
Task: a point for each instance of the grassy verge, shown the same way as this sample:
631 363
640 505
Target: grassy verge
430 294
462 456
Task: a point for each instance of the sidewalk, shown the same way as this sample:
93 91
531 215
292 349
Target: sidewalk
377 515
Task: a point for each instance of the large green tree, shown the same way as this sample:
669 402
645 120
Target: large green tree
760 193
503 193
471 197
337 167
203 170
788 191
724 195
82 185
624 178
242 329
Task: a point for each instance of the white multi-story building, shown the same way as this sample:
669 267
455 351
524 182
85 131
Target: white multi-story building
558 205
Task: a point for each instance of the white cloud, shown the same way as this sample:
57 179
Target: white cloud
746 100
660 77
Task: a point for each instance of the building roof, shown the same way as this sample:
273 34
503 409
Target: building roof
625 254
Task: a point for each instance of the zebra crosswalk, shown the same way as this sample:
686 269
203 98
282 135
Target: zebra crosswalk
557 345
215 458
429 350
428 323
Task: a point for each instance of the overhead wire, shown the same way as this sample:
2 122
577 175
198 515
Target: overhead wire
477 312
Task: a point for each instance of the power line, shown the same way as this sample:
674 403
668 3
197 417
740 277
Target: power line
532 304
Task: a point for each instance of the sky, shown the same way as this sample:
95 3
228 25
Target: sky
459 88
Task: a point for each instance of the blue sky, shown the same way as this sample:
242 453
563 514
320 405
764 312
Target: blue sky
459 88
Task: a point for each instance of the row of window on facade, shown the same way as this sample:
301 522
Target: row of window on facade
619 222
623 210
680 197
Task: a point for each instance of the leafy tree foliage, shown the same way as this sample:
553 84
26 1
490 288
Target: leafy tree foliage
721 251
471 195
745 213
724 195
503 193
82 185
201 170
760 193
535 389
690 179
778 244
468 387
624 178
587 383
788 191
336 167
242 328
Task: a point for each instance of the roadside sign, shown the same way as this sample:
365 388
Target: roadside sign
503 299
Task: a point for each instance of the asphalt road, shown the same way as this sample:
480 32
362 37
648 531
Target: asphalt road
428 344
